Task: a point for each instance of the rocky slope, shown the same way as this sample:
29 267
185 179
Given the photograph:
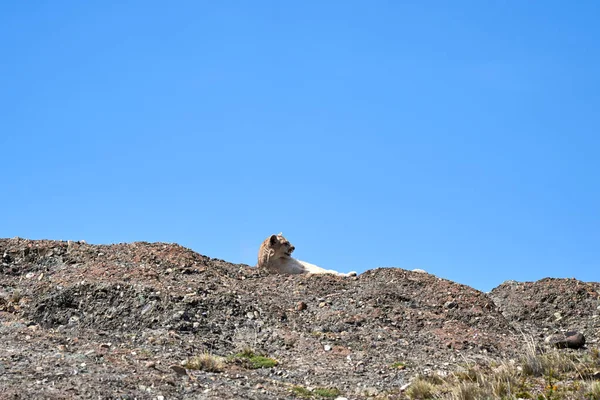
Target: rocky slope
118 321
551 306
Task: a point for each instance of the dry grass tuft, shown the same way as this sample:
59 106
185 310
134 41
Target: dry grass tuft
420 388
539 374
206 362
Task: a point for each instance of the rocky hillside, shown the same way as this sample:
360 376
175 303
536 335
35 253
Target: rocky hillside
128 320
551 306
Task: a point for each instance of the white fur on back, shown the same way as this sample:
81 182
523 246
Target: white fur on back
289 265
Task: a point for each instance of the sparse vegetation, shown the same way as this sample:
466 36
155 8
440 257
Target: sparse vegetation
252 360
326 393
469 391
398 365
301 392
15 296
421 388
206 362
544 375
593 391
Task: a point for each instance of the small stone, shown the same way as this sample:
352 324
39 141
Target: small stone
301 306
29 275
322 304
404 387
327 347
450 304
150 364
558 316
178 369
370 391
178 315
160 397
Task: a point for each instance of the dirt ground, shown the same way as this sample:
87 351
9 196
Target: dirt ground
118 321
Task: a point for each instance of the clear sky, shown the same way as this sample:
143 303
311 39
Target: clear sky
460 137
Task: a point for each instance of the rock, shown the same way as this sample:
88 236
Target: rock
421 271
327 347
301 306
359 367
571 340
557 316
450 304
178 369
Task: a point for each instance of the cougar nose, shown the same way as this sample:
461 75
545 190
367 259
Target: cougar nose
292 249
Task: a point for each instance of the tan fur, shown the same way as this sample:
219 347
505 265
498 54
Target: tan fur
274 256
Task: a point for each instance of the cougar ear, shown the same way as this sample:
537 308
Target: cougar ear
273 239
280 234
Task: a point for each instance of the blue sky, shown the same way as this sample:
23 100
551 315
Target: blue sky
459 137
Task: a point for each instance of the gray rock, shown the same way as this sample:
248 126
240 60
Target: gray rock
450 304
570 340
178 369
